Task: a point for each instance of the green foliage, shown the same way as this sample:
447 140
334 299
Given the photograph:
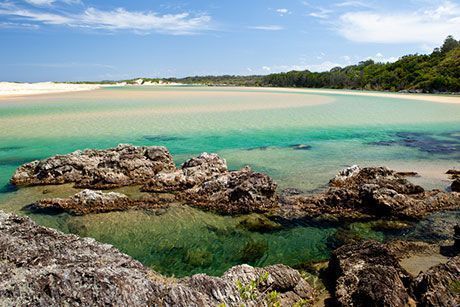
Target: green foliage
437 72
273 299
219 80
250 290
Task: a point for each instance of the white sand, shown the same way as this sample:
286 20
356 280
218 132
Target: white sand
10 89
422 97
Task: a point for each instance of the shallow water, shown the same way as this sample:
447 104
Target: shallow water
253 127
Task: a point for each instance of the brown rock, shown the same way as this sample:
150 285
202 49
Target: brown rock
235 192
439 286
455 186
368 274
371 192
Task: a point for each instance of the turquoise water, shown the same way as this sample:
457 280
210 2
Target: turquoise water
253 127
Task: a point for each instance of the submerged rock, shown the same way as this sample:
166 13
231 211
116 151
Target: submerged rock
100 169
368 274
44 267
259 223
89 201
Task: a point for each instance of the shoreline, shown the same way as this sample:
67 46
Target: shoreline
15 90
438 98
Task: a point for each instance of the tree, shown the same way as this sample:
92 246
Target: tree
449 44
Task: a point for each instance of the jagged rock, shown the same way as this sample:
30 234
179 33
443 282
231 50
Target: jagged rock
89 201
368 274
241 191
99 169
455 186
370 192
439 286
193 172
43 267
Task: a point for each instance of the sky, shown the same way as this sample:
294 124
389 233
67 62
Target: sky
76 40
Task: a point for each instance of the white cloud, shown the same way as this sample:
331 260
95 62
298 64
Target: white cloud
283 11
352 3
428 26
118 19
15 25
40 2
380 58
320 67
321 13
51 2
267 28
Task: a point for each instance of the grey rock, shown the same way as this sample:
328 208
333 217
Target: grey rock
99 169
192 173
44 267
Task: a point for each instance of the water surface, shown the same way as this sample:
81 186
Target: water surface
253 127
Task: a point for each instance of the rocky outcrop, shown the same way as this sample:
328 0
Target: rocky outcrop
233 192
368 274
455 186
192 173
368 193
97 169
205 182
43 267
440 285
89 201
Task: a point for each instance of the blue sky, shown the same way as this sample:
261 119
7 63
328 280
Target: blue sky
71 40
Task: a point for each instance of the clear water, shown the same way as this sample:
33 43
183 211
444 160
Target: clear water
247 127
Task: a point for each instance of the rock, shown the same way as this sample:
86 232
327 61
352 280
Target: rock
259 223
346 173
192 173
99 169
371 192
453 172
389 225
457 238
300 147
368 274
407 174
43 267
439 286
235 192
455 186
89 201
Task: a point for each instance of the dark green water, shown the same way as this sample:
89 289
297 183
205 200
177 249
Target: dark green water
251 127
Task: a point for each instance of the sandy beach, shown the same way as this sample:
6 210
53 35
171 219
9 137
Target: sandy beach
11 89
421 97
